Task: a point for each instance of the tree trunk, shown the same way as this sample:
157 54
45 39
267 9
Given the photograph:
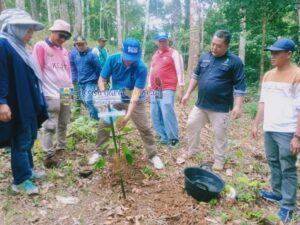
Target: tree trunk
88 25
78 18
34 11
49 13
175 17
146 28
187 14
195 29
298 11
20 4
119 24
263 46
242 45
202 33
2 5
63 10
82 18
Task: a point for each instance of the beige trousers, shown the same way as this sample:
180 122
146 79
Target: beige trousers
198 118
142 123
59 117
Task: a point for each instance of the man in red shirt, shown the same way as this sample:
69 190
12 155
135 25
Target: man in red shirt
166 74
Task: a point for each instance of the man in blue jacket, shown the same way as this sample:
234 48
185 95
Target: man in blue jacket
219 76
88 69
77 104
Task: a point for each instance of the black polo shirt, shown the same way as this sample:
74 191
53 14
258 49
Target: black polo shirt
218 79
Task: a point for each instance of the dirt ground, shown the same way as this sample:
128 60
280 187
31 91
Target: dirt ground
153 197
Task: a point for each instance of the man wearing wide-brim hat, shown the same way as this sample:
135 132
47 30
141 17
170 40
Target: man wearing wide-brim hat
101 51
55 65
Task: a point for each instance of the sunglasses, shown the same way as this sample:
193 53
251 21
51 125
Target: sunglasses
64 36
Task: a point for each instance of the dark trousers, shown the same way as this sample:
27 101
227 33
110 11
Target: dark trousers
21 155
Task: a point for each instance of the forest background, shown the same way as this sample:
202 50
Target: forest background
191 23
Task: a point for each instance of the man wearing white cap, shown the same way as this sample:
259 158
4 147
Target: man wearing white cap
56 81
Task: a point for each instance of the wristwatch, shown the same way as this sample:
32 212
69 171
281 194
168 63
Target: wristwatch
297 136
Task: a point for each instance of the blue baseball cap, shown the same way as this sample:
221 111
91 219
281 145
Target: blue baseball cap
162 35
131 49
283 44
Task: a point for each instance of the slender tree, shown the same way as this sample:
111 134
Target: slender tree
242 45
2 5
20 4
146 27
63 10
49 11
78 18
175 18
195 29
119 24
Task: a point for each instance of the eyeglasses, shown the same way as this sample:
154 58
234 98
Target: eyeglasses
64 36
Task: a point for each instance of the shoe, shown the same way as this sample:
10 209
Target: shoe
174 144
38 174
218 166
270 196
285 215
157 163
26 187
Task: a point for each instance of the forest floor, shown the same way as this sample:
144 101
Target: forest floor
154 197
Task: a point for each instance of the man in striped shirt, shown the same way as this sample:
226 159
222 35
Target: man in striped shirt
166 74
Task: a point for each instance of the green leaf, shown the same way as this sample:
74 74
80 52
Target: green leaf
100 164
107 129
128 154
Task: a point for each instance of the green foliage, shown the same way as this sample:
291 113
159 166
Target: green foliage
128 154
100 164
71 144
148 171
251 109
84 128
256 215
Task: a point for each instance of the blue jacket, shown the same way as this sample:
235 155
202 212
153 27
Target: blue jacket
72 55
218 79
88 66
19 89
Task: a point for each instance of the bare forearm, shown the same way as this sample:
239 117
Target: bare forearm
239 101
260 114
101 84
192 85
298 125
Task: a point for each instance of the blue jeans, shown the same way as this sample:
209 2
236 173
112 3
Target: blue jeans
86 94
163 116
282 163
21 156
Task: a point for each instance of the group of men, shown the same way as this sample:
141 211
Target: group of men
219 77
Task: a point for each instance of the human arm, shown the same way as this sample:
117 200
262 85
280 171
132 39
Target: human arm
5 112
192 85
258 119
239 86
132 105
179 68
96 64
104 75
38 53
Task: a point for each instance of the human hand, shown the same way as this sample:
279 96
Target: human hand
236 112
254 131
295 145
123 122
185 99
5 113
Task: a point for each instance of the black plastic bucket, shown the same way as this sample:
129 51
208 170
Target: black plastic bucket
201 184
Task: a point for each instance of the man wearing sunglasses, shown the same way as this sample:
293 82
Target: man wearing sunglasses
54 63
